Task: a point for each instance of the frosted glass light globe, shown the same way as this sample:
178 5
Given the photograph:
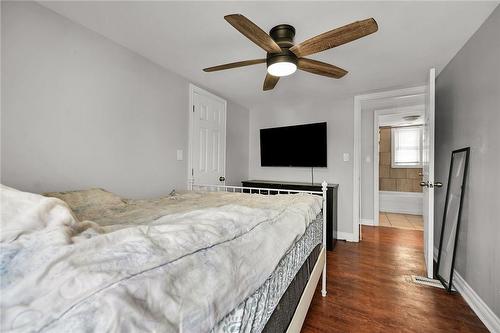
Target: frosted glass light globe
282 68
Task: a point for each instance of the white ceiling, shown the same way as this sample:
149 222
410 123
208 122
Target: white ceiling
185 37
398 119
395 103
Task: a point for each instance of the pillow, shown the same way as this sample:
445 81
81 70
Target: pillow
94 197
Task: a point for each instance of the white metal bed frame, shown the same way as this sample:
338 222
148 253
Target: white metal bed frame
320 266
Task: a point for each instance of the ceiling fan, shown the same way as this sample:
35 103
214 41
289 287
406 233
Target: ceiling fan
284 57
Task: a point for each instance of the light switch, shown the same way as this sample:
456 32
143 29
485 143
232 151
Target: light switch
347 157
180 154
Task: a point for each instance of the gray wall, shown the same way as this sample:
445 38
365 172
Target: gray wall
468 114
339 115
79 111
237 144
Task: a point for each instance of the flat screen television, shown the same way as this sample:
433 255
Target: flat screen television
294 146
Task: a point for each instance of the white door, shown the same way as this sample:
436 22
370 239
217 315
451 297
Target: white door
428 173
207 138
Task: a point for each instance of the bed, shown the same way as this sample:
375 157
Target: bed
213 259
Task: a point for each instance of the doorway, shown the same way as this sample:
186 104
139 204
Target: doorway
396 99
207 138
397 166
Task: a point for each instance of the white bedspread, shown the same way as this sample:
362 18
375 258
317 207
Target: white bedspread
182 272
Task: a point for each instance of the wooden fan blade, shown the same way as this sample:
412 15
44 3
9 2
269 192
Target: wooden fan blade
270 81
320 68
253 32
235 65
335 37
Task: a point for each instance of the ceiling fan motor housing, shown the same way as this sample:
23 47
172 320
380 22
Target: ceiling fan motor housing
283 35
284 56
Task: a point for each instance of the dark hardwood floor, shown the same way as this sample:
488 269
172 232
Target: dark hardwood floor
368 290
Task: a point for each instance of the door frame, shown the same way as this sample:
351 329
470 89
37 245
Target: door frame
358 100
192 90
406 110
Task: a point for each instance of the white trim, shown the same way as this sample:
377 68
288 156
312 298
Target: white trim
324 188
358 99
376 165
347 236
192 89
476 303
393 150
367 222
295 325
356 191
487 316
190 179
405 166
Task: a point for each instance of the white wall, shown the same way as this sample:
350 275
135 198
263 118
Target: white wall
79 111
339 115
467 114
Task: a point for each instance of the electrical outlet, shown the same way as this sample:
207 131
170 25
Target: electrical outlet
180 155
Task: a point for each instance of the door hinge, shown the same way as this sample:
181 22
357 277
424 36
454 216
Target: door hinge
192 172
193 107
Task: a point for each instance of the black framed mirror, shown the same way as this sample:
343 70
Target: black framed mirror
451 216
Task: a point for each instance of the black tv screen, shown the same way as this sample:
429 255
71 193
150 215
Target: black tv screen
294 146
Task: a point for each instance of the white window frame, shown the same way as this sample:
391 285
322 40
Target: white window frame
393 150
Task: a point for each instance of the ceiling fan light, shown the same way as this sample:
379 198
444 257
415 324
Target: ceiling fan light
282 68
281 64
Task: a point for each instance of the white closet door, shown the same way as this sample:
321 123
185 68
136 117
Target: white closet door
208 138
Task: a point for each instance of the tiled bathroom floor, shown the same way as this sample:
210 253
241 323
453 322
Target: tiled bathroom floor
401 221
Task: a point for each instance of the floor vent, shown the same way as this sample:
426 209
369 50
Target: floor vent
422 280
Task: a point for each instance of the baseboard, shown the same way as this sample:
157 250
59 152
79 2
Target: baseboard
367 221
489 319
347 236
401 202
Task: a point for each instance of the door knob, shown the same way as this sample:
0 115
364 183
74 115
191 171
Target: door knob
222 178
424 184
438 184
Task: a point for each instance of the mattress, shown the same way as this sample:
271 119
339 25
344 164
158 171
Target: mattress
271 307
194 262
256 313
283 313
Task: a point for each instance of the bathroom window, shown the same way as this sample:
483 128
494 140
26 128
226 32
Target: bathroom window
406 147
